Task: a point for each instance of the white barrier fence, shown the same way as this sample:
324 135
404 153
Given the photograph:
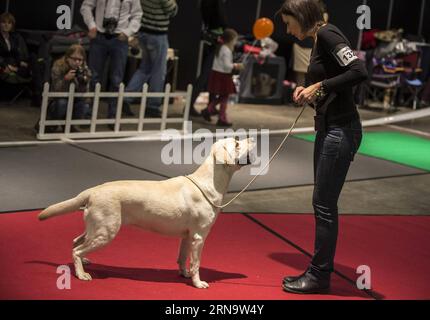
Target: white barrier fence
118 120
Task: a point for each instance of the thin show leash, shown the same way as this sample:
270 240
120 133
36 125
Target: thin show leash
256 176
267 164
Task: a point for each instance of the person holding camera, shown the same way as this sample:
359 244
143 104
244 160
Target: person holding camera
109 30
71 68
154 44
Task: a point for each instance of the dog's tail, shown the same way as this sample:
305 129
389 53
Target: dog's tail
65 206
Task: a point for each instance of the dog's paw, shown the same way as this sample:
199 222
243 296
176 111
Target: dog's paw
84 276
201 284
86 261
185 273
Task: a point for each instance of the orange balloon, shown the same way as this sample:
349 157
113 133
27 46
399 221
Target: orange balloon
263 28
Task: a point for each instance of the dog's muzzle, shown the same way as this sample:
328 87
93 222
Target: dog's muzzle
245 160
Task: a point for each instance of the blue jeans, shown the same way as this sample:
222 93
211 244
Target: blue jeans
101 48
153 67
58 109
333 152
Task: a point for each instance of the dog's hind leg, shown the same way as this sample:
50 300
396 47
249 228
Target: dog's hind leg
100 239
77 242
77 261
101 230
196 251
184 252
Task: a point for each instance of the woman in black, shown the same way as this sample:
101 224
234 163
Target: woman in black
13 58
333 72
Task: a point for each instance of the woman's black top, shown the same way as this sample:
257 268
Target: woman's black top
336 65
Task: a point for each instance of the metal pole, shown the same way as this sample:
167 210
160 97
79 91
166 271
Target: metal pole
200 58
258 9
201 49
7 6
390 14
420 26
72 11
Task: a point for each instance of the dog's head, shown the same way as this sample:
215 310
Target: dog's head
233 152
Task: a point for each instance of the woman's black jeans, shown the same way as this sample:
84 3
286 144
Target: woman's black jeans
334 150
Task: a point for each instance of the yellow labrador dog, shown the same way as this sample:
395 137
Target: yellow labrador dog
175 207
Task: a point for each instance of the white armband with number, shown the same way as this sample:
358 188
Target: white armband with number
344 55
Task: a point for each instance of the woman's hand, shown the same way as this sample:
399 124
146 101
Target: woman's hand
307 95
70 75
296 93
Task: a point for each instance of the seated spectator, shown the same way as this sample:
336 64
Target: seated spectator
14 69
71 68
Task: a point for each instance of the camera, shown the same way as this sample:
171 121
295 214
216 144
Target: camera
134 51
134 46
110 24
81 74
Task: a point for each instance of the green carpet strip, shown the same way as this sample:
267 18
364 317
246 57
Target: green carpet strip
398 147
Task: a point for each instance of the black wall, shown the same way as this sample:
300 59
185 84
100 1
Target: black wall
35 14
379 13
185 28
407 15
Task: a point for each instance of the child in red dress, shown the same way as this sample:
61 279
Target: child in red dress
220 84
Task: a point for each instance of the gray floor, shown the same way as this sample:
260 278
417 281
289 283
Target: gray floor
416 124
292 167
409 195
38 176
35 177
393 195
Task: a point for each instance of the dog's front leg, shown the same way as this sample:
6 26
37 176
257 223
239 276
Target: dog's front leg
196 250
184 252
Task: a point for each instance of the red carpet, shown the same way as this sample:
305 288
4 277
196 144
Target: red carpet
241 260
396 248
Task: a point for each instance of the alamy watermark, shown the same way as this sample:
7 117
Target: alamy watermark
364 20
364 281
64 20
64 280
180 150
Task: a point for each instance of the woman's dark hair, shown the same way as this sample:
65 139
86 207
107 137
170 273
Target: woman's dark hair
8 17
227 36
308 13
